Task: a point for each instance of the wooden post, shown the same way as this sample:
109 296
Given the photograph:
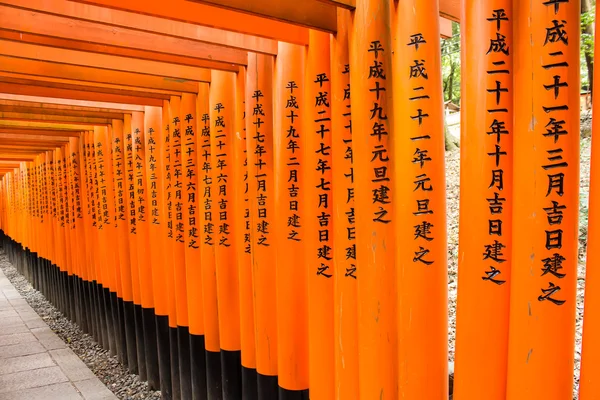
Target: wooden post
420 202
169 246
344 218
222 137
372 114
259 142
589 384
192 200
177 232
154 137
318 207
121 198
288 144
132 223
242 242
546 189
486 150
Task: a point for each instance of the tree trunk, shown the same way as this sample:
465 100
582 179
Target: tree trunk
589 58
451 80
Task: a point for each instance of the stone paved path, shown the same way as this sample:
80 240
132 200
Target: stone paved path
35 364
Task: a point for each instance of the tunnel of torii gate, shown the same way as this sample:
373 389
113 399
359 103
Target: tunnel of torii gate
247 199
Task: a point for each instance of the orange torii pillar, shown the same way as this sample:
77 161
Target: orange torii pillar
143 240
75 235
154 139
484 261
177 231
222 139
192 199
69 310
120 184
77 230
288 143
59 229
121 340
132 225
168 245
546 193
100 259
259 142
106 230
242 242
345 307
113 258
419 200
589 384
370 54
90 232
208 240
317 202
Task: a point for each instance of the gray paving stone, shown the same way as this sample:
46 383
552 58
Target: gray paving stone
25 363
19 302
48 338
30 379
15 328
72 366
11 294
8 313
10 321
35 322
59 391
16 338
21 349
27 313
93 389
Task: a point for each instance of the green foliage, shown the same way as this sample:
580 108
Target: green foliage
451 65
587 44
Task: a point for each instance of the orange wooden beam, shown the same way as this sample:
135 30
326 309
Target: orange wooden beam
17 138
450 9
119 89
60 102
115 63
202 14
16 116
23 37
35 132
347 4
147 23
30 90
320 15
445 28
88 87
22 107
42 125
96 75
23 21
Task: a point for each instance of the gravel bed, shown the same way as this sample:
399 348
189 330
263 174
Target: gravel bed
107 368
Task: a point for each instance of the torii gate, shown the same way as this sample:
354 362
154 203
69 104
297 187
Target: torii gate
195 184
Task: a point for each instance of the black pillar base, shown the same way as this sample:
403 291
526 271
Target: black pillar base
139 340
249 384
130 336
185 371
285 394
231 372
164 356
214 383
174 352
267 387
150 348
